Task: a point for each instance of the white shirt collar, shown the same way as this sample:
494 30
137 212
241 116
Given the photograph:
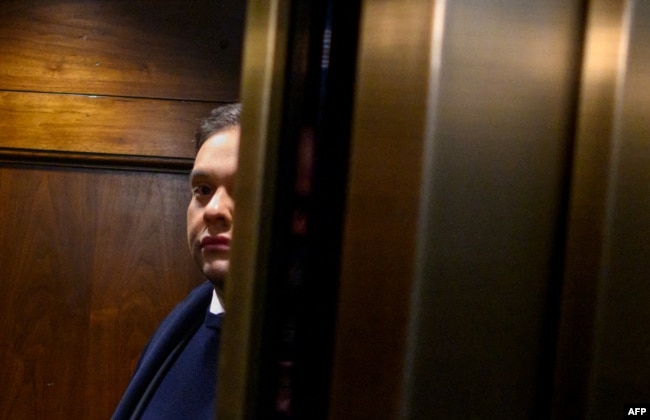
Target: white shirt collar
215 305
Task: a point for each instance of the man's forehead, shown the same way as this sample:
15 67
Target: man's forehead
225 137
218 154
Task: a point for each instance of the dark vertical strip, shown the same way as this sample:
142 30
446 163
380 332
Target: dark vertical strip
549 338
308 213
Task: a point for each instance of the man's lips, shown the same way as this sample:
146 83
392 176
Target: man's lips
215 243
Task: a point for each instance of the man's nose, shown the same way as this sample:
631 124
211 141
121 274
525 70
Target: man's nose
220 208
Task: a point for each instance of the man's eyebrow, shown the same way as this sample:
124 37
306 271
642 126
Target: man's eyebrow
198 173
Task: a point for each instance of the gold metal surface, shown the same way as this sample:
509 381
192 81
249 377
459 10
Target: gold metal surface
456 206
262 86
462 152
602 352
596 121
389 127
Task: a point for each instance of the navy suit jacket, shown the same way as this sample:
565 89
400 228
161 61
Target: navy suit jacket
167 341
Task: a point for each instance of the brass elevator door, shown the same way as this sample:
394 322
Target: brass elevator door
493 260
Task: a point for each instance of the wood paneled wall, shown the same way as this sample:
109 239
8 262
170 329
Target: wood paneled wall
98 104
91 260
115 77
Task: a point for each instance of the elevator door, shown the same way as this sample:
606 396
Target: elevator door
492 256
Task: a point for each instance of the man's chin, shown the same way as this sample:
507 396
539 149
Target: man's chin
216 273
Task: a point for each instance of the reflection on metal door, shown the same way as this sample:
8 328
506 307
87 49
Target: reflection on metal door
493 255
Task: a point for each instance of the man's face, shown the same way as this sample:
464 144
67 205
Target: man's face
211 210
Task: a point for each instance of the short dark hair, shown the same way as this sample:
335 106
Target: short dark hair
220 118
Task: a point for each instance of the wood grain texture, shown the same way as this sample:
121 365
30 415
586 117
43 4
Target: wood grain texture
91 261
144 48
99 124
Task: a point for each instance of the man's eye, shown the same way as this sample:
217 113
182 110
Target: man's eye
201 190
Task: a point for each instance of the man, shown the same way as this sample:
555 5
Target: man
176 375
